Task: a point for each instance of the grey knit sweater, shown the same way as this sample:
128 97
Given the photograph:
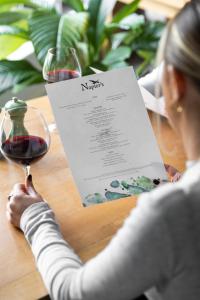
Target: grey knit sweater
157 251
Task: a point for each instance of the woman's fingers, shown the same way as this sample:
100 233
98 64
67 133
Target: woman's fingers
173 173
18 188
20 198
30 187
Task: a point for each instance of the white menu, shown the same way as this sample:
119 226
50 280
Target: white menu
107 135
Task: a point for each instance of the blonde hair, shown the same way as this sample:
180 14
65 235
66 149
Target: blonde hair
180 44
180 47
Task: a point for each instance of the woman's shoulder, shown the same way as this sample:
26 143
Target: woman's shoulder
163 198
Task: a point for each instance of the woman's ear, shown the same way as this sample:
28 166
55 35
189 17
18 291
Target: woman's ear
177 84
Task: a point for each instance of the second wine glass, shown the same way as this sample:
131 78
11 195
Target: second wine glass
61 64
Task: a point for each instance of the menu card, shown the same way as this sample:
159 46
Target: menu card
107 135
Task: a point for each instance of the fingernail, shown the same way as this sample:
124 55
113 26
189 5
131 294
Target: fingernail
29 178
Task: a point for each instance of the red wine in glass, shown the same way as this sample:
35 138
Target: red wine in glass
61 74
61 64
24 150
25 139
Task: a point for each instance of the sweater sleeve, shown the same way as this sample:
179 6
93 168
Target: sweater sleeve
136 259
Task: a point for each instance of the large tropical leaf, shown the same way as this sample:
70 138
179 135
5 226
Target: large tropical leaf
136 26
9 44
111 28
48 4
99 10
10 17
93 10
12 37
146 37
148 58
43 27
17 72
77 5
14 31
68 35
118 64
105 11
133 20
49 30
71 28
129 24
133 36
17 2
83 54
117 55
126 11
117 39
6 8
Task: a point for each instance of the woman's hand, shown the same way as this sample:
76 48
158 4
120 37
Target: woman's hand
173 173
20 198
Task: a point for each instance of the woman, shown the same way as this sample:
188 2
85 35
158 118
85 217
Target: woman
157 251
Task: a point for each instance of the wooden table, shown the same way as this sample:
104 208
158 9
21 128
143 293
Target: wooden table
87 229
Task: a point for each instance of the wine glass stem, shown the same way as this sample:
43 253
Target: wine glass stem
27 170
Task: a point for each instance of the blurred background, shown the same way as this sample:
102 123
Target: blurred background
107 34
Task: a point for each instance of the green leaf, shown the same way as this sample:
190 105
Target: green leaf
17 2
7 18
76 23
35 78
6 8
99 10
118 64
105 11
14 31
148 37
71 28
23 24
133 20
129 24
117 39
148 57
98 66
43 26
112 27
49 30
77 5
83 53
17 72
126 11
134 35
68 35
47 4
145 54
93 10
116 55
9 44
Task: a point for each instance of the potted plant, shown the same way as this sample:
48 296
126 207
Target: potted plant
103 37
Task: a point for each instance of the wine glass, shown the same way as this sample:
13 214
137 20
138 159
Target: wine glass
24 136
61 64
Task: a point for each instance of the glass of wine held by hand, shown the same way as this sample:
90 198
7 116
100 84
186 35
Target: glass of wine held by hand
24 134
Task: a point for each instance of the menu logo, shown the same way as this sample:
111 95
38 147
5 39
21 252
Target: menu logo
91 85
